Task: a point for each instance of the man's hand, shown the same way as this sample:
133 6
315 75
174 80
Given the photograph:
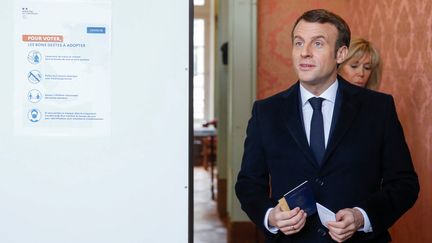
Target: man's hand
348 221
289 222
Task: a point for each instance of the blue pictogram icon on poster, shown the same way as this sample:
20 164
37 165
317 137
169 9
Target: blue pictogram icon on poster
34 115
34 76
34 57
34 96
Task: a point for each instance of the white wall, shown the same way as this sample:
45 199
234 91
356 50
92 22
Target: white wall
241 91
129 187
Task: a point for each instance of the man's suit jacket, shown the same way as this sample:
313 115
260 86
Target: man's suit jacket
367 163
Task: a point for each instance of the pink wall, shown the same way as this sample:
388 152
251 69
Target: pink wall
402 31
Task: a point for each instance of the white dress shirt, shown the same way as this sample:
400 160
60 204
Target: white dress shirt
329 96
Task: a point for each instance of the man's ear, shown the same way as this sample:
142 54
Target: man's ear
341 54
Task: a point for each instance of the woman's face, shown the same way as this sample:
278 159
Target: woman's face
357 70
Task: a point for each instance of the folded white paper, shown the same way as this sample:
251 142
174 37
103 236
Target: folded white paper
325 214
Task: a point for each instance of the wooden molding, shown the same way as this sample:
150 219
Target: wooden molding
222 198
244 232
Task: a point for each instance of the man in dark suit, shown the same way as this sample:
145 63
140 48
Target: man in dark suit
345 140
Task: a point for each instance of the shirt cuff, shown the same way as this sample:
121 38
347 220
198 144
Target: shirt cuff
367 227
272 229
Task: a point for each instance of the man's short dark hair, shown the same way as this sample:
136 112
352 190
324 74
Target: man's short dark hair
323 16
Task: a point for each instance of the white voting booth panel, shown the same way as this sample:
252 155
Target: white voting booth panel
127 182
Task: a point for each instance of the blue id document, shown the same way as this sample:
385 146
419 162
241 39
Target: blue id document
301 196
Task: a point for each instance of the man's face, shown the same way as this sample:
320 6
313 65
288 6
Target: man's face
314 53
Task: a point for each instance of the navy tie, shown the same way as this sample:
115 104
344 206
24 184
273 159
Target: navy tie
317 142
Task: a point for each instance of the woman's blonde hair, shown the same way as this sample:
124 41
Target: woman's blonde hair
357 49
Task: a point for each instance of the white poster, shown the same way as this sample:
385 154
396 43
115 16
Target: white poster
62 68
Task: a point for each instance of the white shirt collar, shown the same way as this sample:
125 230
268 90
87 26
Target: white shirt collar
329 94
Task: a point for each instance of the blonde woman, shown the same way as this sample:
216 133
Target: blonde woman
362 65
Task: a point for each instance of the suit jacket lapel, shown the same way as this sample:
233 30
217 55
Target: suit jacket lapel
346 108
293 121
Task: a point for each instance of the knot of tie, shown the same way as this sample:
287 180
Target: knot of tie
316 103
